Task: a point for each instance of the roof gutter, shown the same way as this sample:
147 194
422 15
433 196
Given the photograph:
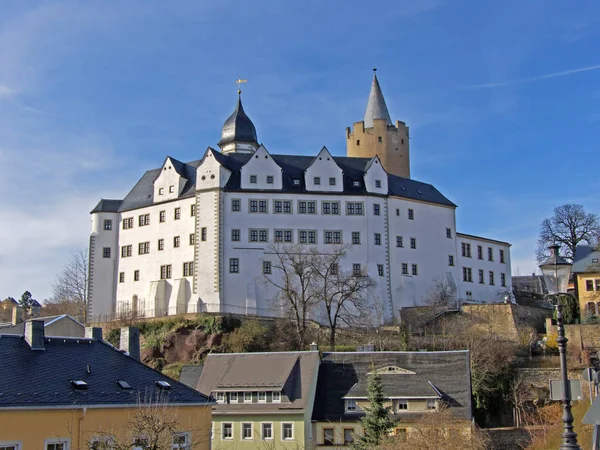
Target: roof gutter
100 406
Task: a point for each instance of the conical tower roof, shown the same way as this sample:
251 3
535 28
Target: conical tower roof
238 127
376 107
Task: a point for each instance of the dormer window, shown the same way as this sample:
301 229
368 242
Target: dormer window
276 397
233 397
351 405
431 403
161 191
171 189
332 181
356 183
252 179
262 397
400 405
378 184
317 181
248 397
269 179
220 397
296 182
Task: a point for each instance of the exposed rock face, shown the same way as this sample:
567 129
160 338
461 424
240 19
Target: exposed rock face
183 346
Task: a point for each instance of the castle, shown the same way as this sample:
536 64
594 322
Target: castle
195 236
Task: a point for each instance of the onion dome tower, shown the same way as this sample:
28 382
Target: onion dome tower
377 135
238 134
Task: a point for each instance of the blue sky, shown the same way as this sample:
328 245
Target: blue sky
503 101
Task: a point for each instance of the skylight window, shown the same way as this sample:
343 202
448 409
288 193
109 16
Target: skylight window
123 384
163 384
79 384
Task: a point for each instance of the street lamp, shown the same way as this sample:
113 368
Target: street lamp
556 271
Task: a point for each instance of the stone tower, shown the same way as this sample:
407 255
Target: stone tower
377 135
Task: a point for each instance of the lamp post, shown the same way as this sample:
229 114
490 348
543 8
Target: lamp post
556 271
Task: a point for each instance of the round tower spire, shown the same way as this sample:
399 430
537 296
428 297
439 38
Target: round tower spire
238 133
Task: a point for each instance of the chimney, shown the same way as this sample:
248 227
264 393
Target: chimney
34 334
130 341
93 333
314 347
17 315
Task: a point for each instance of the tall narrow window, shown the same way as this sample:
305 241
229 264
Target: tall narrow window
317 181
404 269
235 235
450 260
380 269
490 254
176 242
356 237
106 252
192 210
108 225
415 270
162 216
267 267
502 256
356 270
161 244
448 233
376 209
377 238
177 213
413 243
136 275
331 181
234 265
235 205
192 239
491 277
411 214
399 242
503 279
203 234
165 272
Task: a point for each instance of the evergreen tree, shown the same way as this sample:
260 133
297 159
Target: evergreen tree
26 301
376 422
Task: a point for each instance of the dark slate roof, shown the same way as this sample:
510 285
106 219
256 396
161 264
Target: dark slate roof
293 166
238 127
291 372
584 259
41 378
376 107
20 327
105 205
436 374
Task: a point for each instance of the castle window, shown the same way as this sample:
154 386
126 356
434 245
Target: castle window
356 183
503 279
491 278
397 211
202 235
144 220
192 210
161 244
356 270
358 142
380 269
234 265
450 260
188 269
108 225
165 272
378 184
334 269
171 189
128 223
411 214
126 251
121 277
235 235
176 242
404 269
481 280
192 239
177 213
235 204
399 242
253 179
317 181
448 233
502 256
269 179
296 182
379 139
143 248
267 267
413 243
331 181
466 249
376 209
490 254
479 252
356 237
414 269
377 238
136 275
106 252
162 216
402 141
467 274
161 191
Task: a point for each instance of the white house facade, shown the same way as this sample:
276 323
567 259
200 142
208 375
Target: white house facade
199 236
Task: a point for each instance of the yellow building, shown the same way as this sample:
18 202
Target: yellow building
586 274
414 384
77 393
264 400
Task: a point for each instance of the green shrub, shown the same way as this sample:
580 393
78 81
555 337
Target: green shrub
113 336
252 336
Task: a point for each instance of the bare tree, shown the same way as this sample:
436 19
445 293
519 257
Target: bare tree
342 293
292 274
155 425
442 292
70 289
568 227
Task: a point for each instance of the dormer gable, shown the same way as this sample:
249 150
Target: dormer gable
375 177
261 172
211 173
171 180
323 174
